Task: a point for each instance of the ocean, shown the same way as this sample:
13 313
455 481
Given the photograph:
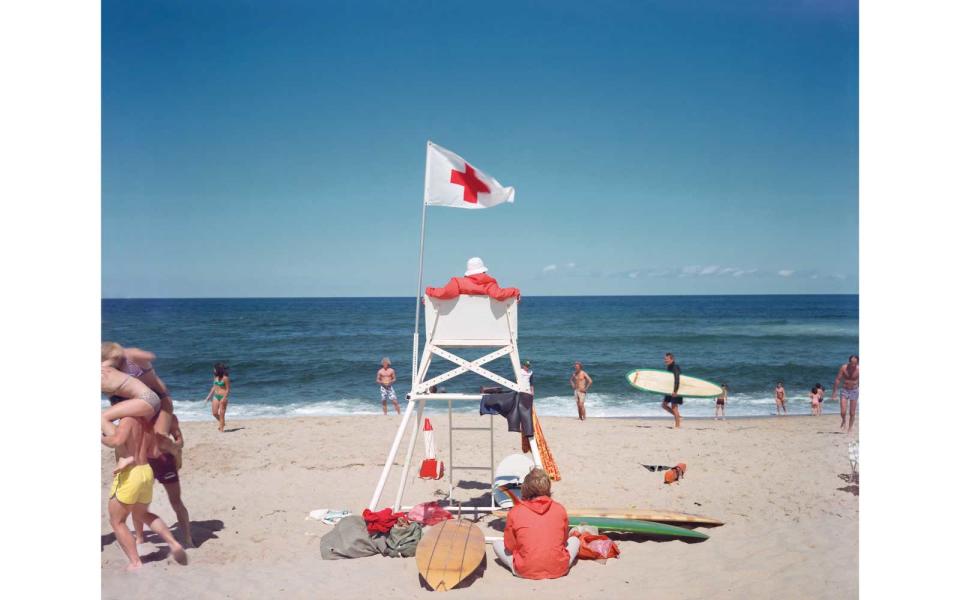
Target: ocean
319 356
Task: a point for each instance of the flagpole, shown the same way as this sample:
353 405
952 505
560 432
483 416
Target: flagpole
416 320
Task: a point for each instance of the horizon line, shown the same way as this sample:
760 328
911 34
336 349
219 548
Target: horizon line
527 296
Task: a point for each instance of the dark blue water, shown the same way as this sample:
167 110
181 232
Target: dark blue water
307 356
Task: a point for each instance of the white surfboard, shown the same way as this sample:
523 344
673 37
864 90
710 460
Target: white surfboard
661 382
510 472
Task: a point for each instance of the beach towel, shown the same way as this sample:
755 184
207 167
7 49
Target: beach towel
349 539
546 457
428 513
403 539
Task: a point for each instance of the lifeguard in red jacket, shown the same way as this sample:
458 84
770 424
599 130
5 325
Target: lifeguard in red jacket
475 282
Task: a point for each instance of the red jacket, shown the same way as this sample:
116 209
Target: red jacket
536 535
473 285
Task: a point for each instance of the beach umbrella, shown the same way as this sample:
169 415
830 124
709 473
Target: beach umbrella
429 468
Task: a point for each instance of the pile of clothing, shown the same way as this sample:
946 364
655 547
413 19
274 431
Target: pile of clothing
382 532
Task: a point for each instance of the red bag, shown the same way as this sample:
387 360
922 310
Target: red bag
605 551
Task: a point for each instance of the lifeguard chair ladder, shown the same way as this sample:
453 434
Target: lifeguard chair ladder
462 322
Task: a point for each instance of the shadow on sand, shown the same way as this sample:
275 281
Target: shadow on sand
853 479
202 531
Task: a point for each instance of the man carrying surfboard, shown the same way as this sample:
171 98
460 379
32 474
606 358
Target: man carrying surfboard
849 378
672 402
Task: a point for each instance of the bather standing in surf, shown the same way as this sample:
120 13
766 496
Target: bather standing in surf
580 382
386 377
221 393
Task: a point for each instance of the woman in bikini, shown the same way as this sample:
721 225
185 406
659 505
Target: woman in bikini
129 397
220 392
138 365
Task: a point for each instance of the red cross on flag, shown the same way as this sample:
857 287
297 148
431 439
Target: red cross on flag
452 181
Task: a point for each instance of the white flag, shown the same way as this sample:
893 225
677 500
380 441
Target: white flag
451 181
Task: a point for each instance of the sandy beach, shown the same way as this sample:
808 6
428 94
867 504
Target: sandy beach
778 483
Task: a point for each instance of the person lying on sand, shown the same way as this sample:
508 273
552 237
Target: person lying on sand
475 282
536 542
132 488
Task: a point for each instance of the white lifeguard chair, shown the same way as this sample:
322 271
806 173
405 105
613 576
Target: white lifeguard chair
462 322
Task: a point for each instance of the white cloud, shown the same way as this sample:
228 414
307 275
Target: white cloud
633 275
549 268
785 272
710 270
571 265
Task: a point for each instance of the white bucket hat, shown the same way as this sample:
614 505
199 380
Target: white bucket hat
474 266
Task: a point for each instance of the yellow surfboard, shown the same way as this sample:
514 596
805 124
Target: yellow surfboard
449 552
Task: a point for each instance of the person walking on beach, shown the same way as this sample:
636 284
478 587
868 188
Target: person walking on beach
848 379
132 488
781 397
526 375
221 394
671 402
164 460
580 382
386 377
721 410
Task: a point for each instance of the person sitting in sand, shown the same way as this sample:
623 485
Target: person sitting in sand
165 463
132 488
139 364
475 282
721 412
386 377
220 392
781 398
536 542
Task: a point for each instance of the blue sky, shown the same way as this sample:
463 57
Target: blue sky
668 147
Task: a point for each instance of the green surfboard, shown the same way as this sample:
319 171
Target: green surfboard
646 528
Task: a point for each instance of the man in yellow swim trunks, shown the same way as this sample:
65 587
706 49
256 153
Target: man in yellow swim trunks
132 489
